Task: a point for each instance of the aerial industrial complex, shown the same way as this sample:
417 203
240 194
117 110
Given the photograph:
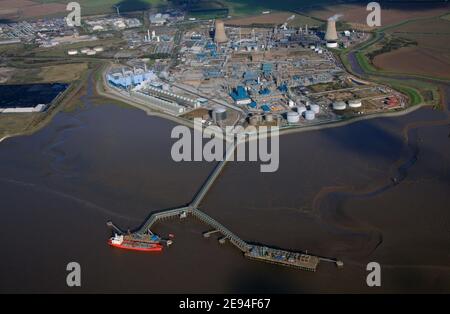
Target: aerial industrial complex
221 74
235 76
283 76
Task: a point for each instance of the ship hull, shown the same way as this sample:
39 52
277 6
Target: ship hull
150 248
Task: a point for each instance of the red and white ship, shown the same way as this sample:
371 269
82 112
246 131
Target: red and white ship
143 243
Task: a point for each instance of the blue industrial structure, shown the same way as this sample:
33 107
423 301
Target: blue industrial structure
283 88
201 56
267 68
266 108
212 73
127 79
253 104
239 94
250 77
264 91
211 46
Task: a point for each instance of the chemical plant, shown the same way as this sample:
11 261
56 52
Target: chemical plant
228 75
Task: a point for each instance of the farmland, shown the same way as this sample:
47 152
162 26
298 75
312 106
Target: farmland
356 14
276 18
429 57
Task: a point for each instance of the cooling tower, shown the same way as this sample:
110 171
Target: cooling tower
331 33
219 33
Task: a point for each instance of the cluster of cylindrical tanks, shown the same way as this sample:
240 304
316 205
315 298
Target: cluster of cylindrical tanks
86 51
342 105
302 110
258 119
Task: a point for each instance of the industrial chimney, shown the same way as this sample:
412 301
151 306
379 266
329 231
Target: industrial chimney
331 34
219 32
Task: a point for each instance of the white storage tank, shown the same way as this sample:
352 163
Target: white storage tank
332 44
301 109
219 114
293 117
339 105
315 108
354 103
309 115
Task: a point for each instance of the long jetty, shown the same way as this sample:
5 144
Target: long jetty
297 260
213 176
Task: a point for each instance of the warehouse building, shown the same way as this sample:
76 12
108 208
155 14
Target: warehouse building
129 78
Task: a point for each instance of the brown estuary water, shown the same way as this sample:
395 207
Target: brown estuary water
375 190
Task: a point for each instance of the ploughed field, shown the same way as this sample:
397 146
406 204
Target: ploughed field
356 14
431 55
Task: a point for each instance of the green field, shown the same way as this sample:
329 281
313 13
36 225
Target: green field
235 7
252 7
91 7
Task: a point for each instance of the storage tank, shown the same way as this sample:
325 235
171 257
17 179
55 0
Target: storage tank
309 115
354 103
339 105
293 117
301 109
219 114
253 120
332 44
315 108
269 117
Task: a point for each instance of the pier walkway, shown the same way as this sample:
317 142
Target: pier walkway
213 176
256 252
165 214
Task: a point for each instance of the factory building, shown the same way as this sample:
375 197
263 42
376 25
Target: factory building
128 78
267 69
37 108
240 96
158 19
163 104
170 96
266 108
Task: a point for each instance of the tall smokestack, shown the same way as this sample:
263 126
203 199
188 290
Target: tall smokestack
331 34
219 32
